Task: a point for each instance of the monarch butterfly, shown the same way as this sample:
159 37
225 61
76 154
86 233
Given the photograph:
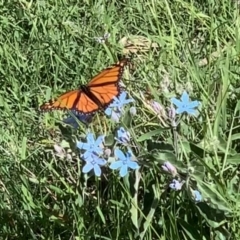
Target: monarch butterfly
96 95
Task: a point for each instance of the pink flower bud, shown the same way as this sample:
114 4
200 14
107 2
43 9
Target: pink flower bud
168 167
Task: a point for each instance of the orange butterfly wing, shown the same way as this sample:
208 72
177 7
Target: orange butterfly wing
96 95
71 100
105 86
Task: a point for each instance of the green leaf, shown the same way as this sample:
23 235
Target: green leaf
165 156
148 135
153 199
24 148
101 214
214 217
223 145
57 190
235 136
151 145
127 119
28 197
197 150
234 159
109 140
190 231
210 192
134 200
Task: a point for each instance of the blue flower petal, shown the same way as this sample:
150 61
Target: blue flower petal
108 111
123 136
180 110
120 131
115 116
176 102
115 103
87 167
87 156
185 97
123 170
79 144
91 145
193 104
128 101
100 161
116 165
176 185
132 165
116 107
129 153
97 170
111 106
185 105
99 140
90 138
122 96
197 196
123 99
119 154
120 101
86 146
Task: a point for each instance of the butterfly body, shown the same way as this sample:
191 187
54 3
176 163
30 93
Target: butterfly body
95 96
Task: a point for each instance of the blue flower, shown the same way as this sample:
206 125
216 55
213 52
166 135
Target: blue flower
176 185
185 105
72 120
120 101
124 162
91 146
123 136
115 114
93 162
115 109
197 195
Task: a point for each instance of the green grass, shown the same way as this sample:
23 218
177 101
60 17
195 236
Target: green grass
48 47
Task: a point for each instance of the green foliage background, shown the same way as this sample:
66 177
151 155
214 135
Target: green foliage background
48 47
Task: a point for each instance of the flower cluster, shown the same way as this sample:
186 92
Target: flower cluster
177 184
94 150
96 154
115 109
184 106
